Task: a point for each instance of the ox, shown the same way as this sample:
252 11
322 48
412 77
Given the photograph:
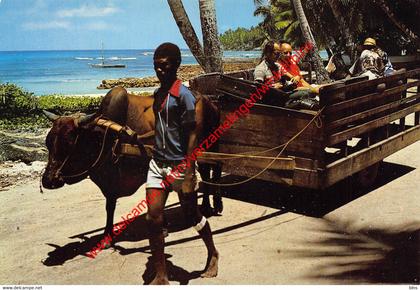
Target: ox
78 148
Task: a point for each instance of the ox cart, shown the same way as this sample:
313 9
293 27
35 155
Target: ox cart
361 123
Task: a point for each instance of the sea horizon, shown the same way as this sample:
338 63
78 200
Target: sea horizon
69 72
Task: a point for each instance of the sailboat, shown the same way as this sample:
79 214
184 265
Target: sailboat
106 65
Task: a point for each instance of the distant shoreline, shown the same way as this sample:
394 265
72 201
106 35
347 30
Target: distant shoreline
185 73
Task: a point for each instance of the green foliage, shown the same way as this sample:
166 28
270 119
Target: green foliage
13 100
63 104
364 19
279 20
31 122
23 110
242 38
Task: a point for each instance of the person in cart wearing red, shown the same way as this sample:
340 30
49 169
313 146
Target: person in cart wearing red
289 67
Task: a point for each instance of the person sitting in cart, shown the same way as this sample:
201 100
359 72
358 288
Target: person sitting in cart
268 70
301 92
290 70
373 61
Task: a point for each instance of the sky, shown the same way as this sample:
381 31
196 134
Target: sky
119 24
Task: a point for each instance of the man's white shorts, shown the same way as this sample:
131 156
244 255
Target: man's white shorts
158 172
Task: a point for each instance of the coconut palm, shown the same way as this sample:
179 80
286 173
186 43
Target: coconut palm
209 58
401 26
211 41
279 20
321 73
344 27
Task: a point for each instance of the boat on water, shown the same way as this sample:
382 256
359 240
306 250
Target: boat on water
106 65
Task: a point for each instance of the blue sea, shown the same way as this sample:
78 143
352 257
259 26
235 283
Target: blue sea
69 71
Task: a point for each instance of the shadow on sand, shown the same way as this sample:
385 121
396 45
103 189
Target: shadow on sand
368 255
285 199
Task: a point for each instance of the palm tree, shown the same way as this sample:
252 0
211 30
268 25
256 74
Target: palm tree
279 20
401 26
321 73
344 28
209 58
211 41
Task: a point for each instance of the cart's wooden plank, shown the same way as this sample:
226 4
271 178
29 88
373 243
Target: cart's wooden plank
246 137
414 73
306 178
274 126
232 102
359 160
370 98
284 177
359 86
357 130
367 113
279 163
412 84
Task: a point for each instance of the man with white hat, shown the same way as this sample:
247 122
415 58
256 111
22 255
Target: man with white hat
373 62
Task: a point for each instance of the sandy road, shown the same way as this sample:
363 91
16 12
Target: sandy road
266 235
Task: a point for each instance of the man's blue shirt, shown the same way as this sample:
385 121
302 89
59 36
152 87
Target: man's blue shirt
174 112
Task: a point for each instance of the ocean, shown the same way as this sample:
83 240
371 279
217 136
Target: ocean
69 72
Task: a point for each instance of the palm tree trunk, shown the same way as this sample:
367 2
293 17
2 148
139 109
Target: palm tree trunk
321 73
408 32
344 28
187 31
211 41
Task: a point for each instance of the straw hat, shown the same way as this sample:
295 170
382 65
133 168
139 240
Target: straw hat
370 41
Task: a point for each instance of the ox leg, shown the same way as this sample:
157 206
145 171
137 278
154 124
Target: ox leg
110 209
205 204
217 196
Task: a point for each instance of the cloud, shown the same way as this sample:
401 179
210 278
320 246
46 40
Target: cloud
46 25
100 25
87 11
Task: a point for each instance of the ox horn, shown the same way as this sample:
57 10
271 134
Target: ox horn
86 119
51 116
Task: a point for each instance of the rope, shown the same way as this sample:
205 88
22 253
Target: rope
271 162
94 163
318 123
245 154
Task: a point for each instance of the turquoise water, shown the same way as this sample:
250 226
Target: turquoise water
69 72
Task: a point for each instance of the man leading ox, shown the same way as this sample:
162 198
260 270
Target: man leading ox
175 137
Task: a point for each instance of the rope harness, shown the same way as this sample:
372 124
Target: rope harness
130 149
126 149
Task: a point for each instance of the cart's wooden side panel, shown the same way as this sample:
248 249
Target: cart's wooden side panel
266 127
365 111
359 160
354 108
365 106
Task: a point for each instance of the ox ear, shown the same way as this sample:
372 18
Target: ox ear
86 119
51 116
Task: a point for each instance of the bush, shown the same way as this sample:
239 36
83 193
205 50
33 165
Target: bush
14 100
65 104
23 110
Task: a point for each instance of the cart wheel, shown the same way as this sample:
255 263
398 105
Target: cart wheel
367 176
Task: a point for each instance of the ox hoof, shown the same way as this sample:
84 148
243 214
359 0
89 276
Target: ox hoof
218 205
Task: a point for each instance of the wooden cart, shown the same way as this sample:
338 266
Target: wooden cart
361 123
